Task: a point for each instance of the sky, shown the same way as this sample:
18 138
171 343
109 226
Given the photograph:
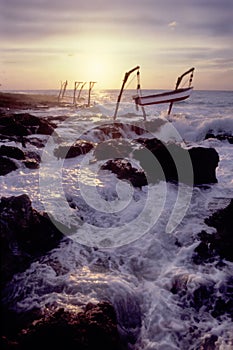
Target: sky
45 42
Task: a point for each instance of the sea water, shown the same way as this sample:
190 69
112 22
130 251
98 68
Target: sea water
129 246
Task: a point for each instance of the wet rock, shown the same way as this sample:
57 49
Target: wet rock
119 130
35 141
25 234
219 136
124 170
24 124
74 150
205 162
209 343
172 157
12 152
203 296
219 243
7 165
32 160
7 155
91 329
26 101
114 149
160 161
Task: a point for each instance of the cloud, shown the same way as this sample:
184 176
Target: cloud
26 19
172 25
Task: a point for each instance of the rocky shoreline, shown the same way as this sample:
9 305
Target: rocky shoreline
27 235
13 101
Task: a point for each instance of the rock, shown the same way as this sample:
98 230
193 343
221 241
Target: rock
209 343
29 158
124 170
219 243
35 141
26 101
159 161
74 150
32 160
111 149
26 234
24 124
220 136
210 296
205 162
91 329
7 165
12 152
31 164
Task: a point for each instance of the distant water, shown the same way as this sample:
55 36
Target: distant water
123 251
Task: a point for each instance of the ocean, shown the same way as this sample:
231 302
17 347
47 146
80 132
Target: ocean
130 246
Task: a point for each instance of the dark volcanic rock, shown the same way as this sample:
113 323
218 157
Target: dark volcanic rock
111 149
12 152
219 243
24 124
220 136
94 328
7 165
8 154
25 234
205 296
25 101
124 170
74 150
205 162
160 161
173 159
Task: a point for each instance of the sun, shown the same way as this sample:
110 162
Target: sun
97 68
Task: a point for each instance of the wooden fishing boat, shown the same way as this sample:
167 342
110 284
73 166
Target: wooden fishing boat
176 95
165 97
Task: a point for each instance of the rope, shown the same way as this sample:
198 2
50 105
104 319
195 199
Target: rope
185 82
188 80
130 81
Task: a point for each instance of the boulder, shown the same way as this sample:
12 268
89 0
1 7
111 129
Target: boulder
7 165
7 155
12 152
74 150
26 234
214 297
219 136
205 162
111 149
124 170
91 329
160 161
219 243
23 124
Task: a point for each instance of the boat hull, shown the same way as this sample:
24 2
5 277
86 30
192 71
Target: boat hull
165 97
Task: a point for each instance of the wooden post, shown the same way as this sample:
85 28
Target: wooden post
76 85
60 92
81 90
64 88
191 70
91 85
127 74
